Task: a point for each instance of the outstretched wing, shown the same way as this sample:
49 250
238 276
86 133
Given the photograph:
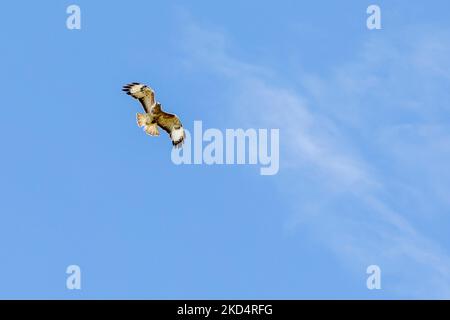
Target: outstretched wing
143 93
172 125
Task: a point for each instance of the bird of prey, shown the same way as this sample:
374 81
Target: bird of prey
154 116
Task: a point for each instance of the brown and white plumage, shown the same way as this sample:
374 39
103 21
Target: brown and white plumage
154 116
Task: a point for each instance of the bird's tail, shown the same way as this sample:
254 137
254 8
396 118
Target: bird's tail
144 121
151 129
141 119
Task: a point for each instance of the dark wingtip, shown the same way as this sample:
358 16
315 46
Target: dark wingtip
178 144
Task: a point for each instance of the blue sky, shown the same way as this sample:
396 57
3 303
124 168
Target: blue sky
364 150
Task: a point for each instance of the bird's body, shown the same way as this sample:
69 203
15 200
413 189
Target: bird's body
154 116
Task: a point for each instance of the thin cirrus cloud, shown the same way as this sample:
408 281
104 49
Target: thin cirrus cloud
356 136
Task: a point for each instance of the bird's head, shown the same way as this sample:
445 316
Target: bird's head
157 107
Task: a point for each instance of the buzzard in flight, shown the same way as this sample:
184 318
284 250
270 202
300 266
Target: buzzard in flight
154 116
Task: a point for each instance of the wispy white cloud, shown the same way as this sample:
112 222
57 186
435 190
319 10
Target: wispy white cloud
348 133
